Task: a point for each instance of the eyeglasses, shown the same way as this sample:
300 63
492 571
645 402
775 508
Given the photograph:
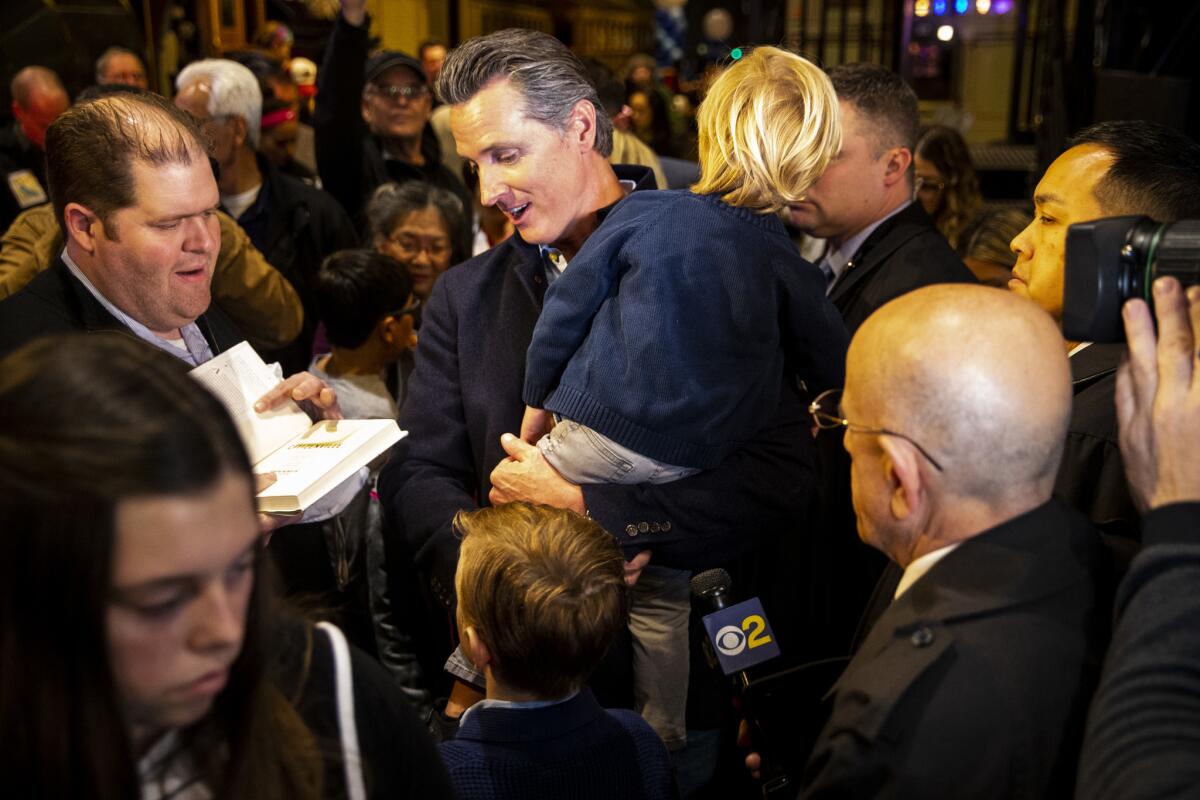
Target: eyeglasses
394 93
927 185
411 248
410 308
826 411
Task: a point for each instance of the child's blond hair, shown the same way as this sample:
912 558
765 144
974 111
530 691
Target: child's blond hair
544 589
767 129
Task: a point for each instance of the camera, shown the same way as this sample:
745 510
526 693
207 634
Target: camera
1113 260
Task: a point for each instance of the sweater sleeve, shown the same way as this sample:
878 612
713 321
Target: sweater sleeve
571 303
1144 725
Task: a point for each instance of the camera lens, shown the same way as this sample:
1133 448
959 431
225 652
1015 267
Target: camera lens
1111 260
1177 254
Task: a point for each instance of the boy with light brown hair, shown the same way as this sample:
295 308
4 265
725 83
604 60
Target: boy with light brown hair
541 597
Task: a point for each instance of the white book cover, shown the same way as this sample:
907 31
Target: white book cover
309 459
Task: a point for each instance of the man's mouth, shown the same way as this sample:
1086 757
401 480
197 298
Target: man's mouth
516 213
192 275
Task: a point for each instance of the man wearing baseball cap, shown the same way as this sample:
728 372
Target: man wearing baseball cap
372 117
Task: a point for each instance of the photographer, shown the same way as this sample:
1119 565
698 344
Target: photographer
1111 169
1145 718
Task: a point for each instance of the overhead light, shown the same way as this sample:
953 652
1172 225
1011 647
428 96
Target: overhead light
921 8
983 6
939 7
961 6
945 33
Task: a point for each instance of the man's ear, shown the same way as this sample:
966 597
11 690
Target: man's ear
81 225
899 159
240 130
908 487
581 125
474 648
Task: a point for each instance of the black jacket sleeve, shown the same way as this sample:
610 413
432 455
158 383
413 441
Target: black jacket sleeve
719 515
1144 724
337 118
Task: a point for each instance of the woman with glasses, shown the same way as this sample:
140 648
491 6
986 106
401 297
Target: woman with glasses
947 188
142 653
422 226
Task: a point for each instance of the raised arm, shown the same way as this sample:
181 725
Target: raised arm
1145 718
337 118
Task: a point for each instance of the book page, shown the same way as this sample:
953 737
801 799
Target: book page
238 377
325 451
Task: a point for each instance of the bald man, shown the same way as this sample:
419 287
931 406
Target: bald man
974 682
38 98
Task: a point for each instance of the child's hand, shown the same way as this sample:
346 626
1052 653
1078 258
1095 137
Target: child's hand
535 424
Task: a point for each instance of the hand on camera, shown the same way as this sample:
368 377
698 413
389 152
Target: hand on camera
1158 397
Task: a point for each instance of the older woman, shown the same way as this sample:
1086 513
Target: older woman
422 226
140 654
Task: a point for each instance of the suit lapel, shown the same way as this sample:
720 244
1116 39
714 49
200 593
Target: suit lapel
882 242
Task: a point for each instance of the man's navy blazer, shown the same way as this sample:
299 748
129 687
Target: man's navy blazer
466 390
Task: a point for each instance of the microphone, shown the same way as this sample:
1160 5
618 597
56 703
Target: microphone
739 637
738 633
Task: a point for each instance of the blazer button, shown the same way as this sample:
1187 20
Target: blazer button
631 529
922 637
666 526
643 527
655 527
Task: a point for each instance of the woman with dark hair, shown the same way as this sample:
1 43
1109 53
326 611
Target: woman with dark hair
948 188
140 652
946 184
422 226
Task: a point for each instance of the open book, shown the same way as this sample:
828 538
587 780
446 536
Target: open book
309 460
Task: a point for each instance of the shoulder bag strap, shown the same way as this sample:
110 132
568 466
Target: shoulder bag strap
347 726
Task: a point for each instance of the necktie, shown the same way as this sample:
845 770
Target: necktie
826 267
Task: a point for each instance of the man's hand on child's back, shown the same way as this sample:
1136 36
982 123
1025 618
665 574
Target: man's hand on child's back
535 424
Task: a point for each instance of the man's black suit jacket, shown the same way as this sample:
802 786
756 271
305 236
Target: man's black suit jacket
975 682
906 252
1091 477
56 302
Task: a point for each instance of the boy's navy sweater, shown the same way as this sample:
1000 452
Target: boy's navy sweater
669 329
573 750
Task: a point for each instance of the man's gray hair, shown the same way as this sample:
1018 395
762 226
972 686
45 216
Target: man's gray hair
102 61
233 91
550 78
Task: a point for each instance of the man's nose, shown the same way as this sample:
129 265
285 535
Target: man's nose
203 234
1020 242
491 188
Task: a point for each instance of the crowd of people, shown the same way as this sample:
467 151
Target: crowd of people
607 387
